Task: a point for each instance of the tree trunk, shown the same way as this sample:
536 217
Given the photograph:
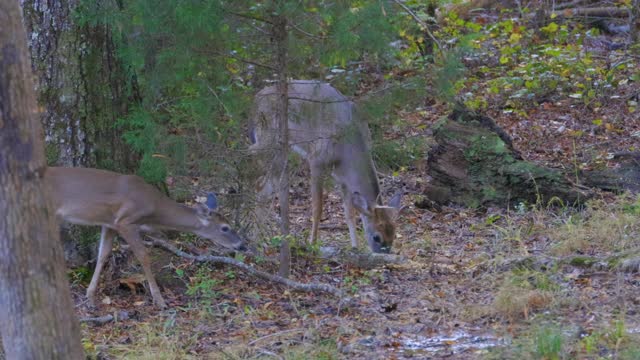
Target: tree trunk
282 114
36 310
81 86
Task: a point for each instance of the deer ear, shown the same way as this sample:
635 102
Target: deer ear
395 200
202 210
360 203
212 201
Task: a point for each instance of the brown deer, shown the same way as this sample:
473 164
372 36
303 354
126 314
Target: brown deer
325 129
127 205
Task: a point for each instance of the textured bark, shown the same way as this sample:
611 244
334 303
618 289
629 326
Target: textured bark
81 86
36 310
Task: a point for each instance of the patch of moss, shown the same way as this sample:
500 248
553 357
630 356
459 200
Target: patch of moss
582 261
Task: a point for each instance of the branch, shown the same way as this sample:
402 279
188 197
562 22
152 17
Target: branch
246 61
101 320
248 16
325 288
421 23
297 28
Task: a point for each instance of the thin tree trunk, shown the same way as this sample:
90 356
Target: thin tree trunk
36 310
282 113
635 22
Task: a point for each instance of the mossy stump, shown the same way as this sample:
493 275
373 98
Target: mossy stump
474 164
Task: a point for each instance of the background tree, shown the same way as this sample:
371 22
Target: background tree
35 303
82 87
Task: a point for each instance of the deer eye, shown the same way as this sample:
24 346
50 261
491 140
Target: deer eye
225 228
377 238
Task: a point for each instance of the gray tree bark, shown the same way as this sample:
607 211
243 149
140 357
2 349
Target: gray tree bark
81 85
36 310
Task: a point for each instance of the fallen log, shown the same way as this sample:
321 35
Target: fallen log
475 164
623 176
600 12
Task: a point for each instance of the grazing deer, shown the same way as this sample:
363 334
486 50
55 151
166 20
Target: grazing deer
324 128
126 205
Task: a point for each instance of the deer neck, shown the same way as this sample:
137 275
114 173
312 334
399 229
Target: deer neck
170 215
357 173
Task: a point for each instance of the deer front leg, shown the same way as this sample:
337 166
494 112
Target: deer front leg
316 202
104 250
349 216
131 233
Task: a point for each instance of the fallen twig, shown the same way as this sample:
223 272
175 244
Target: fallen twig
101 320
251 270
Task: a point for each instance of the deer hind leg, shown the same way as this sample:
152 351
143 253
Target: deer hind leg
104 250
316 202
131 234
349 216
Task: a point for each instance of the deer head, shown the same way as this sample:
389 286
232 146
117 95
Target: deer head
215 227
379 221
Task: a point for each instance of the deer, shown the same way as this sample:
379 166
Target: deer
327 131
128 206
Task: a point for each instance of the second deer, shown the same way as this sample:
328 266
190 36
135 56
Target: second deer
327 131
126 205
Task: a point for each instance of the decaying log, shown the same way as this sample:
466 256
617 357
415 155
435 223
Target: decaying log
609 12
474 164
625 176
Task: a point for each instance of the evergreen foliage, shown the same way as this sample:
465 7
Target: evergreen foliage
197 63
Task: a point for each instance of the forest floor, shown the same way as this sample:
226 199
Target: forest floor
529 282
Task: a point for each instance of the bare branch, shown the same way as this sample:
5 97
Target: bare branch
248 16
246 61
101 320
421 23
297 28
297 286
